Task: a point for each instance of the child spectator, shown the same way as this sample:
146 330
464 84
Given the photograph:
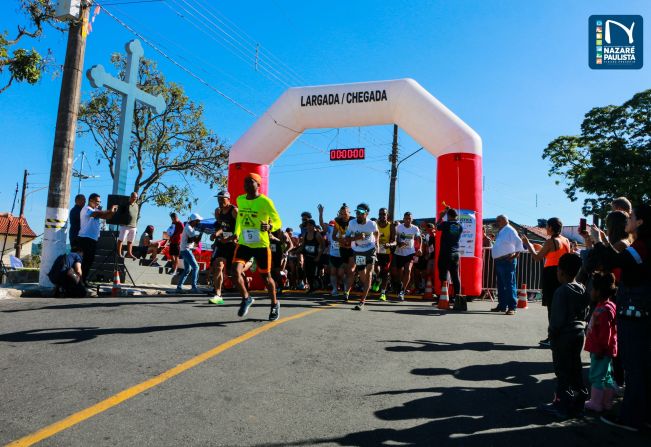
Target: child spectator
601 342
566 334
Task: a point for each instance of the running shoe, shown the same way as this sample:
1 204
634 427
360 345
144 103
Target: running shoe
334 293
217 300
509 312
346 296
275 312
244 306
401 296
359 306
383 296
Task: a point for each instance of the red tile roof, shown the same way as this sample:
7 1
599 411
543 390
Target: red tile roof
540 232
10 222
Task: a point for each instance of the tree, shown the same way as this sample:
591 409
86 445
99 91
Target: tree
175 141
21 64
610 158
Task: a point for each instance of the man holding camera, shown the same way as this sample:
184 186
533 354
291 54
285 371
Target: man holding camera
90 217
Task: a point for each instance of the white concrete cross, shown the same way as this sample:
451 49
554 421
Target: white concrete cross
130 93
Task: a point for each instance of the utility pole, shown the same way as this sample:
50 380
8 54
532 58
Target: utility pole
56 213
19 235
393 158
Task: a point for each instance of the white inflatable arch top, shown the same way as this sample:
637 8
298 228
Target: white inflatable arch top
402 101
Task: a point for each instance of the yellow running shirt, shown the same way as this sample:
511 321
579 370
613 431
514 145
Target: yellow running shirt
250 215
385 235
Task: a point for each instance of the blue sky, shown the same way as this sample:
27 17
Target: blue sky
517 72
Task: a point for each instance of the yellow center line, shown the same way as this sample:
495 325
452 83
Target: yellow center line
120 397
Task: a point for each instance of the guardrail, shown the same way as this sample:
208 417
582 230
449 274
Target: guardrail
528 271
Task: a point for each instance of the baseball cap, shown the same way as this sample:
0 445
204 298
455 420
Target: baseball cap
224 194
195 216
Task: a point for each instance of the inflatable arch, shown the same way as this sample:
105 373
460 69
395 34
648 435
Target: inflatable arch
404 102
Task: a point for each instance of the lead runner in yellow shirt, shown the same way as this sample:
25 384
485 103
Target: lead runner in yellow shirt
256 218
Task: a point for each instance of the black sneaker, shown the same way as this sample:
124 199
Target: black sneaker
615 421
244 306
275 312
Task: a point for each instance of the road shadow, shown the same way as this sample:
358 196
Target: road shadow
81 334
441 346
94 305
474 415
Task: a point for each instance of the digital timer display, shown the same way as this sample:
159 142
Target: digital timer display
357 153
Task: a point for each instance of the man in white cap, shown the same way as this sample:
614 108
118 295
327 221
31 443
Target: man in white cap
189 238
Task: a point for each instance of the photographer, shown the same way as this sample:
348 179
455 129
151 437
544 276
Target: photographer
189 238
65 274
90 217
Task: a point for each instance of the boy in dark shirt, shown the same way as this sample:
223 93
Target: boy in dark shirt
566 334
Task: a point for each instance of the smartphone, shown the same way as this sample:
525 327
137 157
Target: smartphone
583 225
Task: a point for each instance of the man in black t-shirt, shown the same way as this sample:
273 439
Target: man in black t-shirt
448 261
75 223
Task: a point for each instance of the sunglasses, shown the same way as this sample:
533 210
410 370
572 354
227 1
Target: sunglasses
361 211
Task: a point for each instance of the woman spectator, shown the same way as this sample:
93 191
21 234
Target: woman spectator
633 317
147 245
551 251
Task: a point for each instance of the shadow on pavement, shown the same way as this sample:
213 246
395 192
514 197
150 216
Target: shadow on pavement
439 346
80 334
479 416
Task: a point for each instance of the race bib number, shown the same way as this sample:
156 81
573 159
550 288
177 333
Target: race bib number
310 249
360 260
226 234
430 249
251 236
335 245
273 248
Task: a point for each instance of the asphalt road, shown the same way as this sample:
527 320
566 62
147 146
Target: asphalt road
395 374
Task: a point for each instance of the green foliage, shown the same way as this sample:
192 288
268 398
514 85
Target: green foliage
165 148
610 158
26 65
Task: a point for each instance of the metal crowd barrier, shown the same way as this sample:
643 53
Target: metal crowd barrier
528 271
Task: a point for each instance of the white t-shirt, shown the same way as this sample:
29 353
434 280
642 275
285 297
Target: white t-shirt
406 235
332 242
188 232
89 226
368 229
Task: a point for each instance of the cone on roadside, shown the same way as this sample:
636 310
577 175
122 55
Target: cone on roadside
444 299
522 297
428 295
117 286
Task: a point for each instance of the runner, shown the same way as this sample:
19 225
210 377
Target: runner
311 247
387 242
281 244
421 261
346 271
224 244
256 217
362 234
406 237
334 259
292 260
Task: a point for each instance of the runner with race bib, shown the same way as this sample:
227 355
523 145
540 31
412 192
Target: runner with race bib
362 234
256 217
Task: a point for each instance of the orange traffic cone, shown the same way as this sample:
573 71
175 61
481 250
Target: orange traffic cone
444 300
117 286
428 295
522 297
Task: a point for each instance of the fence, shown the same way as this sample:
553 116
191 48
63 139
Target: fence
528 271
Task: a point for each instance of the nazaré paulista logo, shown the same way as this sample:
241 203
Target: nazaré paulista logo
615 42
